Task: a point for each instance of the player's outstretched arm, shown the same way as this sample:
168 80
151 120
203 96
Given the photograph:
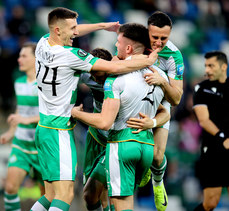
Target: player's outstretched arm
103 120
88 28
125 66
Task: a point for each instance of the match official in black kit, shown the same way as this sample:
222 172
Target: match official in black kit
211 106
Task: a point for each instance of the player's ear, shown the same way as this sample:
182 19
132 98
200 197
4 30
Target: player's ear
129 49
224 67
57 30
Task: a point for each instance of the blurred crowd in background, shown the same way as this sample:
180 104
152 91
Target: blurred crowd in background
199 26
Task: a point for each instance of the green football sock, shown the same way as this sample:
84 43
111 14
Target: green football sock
42 204
158 172
12 202
61 205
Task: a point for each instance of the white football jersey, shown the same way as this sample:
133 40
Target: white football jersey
57 70
135 95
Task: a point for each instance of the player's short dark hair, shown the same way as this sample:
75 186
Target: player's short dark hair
220 56
61 13
160 19
136 32
31 45
102 53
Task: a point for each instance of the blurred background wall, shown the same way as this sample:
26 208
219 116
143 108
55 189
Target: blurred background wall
198 26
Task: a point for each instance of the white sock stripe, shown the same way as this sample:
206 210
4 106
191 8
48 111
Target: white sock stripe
164 164
38 207
17 199
158 169
10 208
55 209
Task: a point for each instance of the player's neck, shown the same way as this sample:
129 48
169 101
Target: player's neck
53 41
31 75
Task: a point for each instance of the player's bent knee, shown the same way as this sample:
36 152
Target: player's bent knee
158 156
11 188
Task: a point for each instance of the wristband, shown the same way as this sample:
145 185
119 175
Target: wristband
220 136
154 123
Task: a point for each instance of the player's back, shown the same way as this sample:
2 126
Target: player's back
135 96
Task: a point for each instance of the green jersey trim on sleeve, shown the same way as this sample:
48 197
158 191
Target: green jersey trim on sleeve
83 55
108 90
175 56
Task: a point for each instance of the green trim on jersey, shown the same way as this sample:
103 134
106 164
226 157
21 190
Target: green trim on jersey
32 125
22 79
145 137
174 53
56 122
108 93
46 35
74 97
77 74
102 140
27 100
27 145
81 54
27 105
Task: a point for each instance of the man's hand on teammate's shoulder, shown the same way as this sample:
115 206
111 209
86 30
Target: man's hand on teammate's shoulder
154 78
154 55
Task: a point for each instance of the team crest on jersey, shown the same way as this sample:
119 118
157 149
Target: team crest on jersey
157 63
107 86
82 53
180 69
